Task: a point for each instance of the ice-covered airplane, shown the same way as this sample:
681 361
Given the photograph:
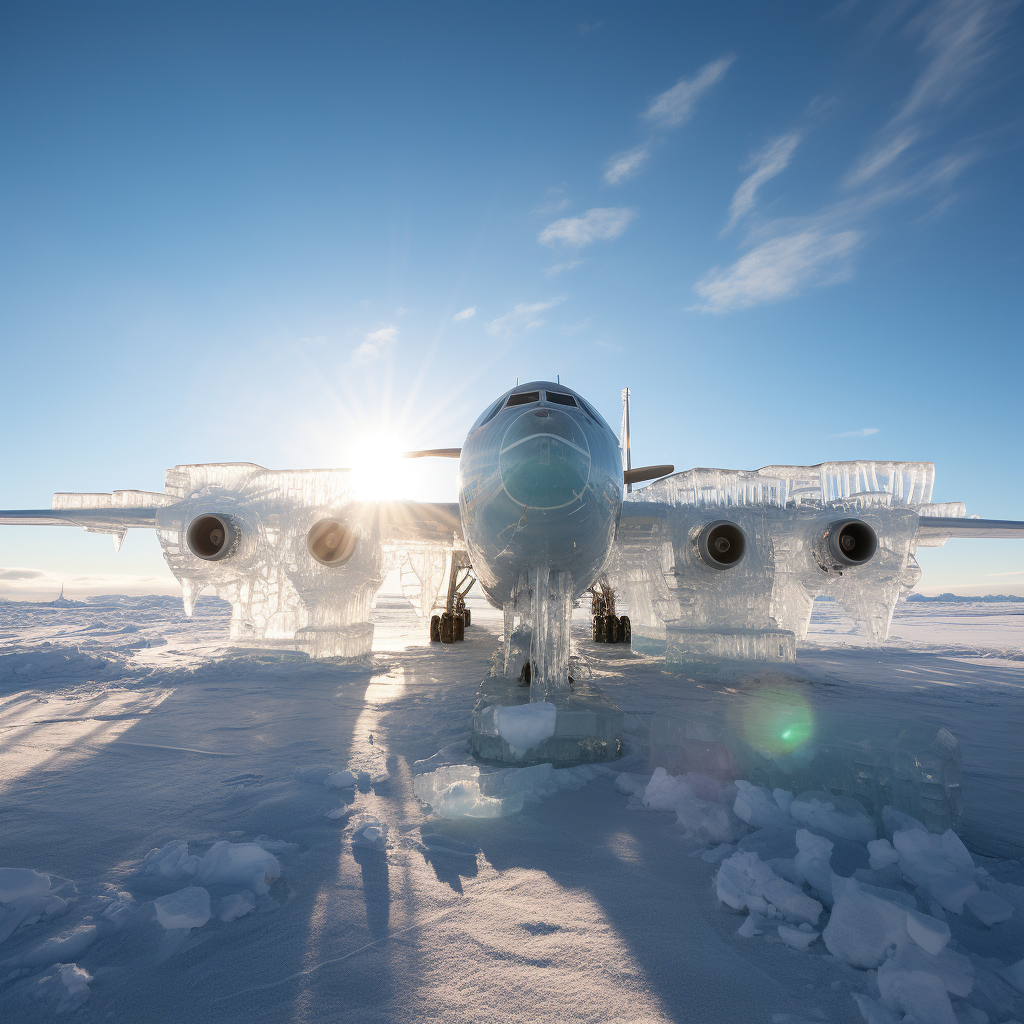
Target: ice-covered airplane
710 562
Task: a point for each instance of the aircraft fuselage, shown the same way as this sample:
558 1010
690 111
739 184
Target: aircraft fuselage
540 483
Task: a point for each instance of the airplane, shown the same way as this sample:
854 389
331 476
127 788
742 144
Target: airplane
712 563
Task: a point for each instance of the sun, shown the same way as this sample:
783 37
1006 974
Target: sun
380 473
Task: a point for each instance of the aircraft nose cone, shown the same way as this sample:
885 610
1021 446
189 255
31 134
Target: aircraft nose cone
544 459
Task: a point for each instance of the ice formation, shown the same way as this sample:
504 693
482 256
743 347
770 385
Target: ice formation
186 908
761 605
251 865
841 775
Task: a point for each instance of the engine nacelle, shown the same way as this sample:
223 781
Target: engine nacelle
847 542
720 544
212 537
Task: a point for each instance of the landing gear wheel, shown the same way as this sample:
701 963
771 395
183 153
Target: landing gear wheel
447 628
468 617
459 628
598 629
610 627
435 629
624 631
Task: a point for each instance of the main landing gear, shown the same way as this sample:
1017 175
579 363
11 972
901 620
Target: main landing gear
450 626
609 628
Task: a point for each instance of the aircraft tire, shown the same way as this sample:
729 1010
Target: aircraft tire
624 633
459 628
598 629
468 617
610 628
447 628
435 629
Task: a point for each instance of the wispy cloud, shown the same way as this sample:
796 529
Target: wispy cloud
376 344
524 317
625 165
675 106
671 109
778 269
555 199
863 432
465 314
880 157
770 161
561 268
600 223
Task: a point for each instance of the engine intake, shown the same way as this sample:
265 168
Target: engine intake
721 544
850 542
331 542
211 537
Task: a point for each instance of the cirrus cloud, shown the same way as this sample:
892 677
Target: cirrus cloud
602 223
375 345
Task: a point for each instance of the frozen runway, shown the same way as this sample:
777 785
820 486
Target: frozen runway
126 727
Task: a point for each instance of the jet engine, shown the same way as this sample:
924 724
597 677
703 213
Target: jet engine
212 537
847 542
720 544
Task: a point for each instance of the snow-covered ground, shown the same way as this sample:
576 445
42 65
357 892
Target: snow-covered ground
210 834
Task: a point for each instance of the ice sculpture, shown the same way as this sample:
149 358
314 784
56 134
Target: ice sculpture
912 767
298 557
759 604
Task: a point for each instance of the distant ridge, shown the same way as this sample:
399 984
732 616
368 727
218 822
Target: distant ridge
957 599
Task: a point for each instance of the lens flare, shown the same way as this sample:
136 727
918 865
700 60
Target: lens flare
778 721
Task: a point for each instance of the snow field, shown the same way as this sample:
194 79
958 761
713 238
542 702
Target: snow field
887 921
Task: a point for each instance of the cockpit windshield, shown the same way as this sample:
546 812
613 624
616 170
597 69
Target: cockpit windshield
522 398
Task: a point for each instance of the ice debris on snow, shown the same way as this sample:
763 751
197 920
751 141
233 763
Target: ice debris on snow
928 932
25 899
757 806
464 791
251 865
799 937
842 816
813 862
341 780
745 882
61 988
989 908
238 904
881 854
525 726
17 883
370 833
186 908
941 865
688 795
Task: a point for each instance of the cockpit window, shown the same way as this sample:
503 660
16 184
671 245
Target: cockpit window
488 415
522 398
560 398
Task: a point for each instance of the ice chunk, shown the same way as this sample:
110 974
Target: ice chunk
61 948
247 864
798 938
917 993
753 924
454 792
930 934
954 970
171 861
341 780
863 928
17 883
525 726
939 864
881 854
813 861
756 806
784 799
370 833
897 821
874 1012
186 908
627 783
842 816
745 882
989 908
706 820
238 904
1014 974
61 988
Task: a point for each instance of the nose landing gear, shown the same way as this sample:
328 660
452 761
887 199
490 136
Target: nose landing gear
609 628
450 626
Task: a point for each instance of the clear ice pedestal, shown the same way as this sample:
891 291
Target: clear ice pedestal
587 726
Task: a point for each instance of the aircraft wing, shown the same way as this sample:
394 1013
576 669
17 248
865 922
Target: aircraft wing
97 519
934 528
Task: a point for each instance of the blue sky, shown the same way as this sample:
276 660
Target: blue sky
269 233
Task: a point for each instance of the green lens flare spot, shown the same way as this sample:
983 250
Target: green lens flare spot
778 722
